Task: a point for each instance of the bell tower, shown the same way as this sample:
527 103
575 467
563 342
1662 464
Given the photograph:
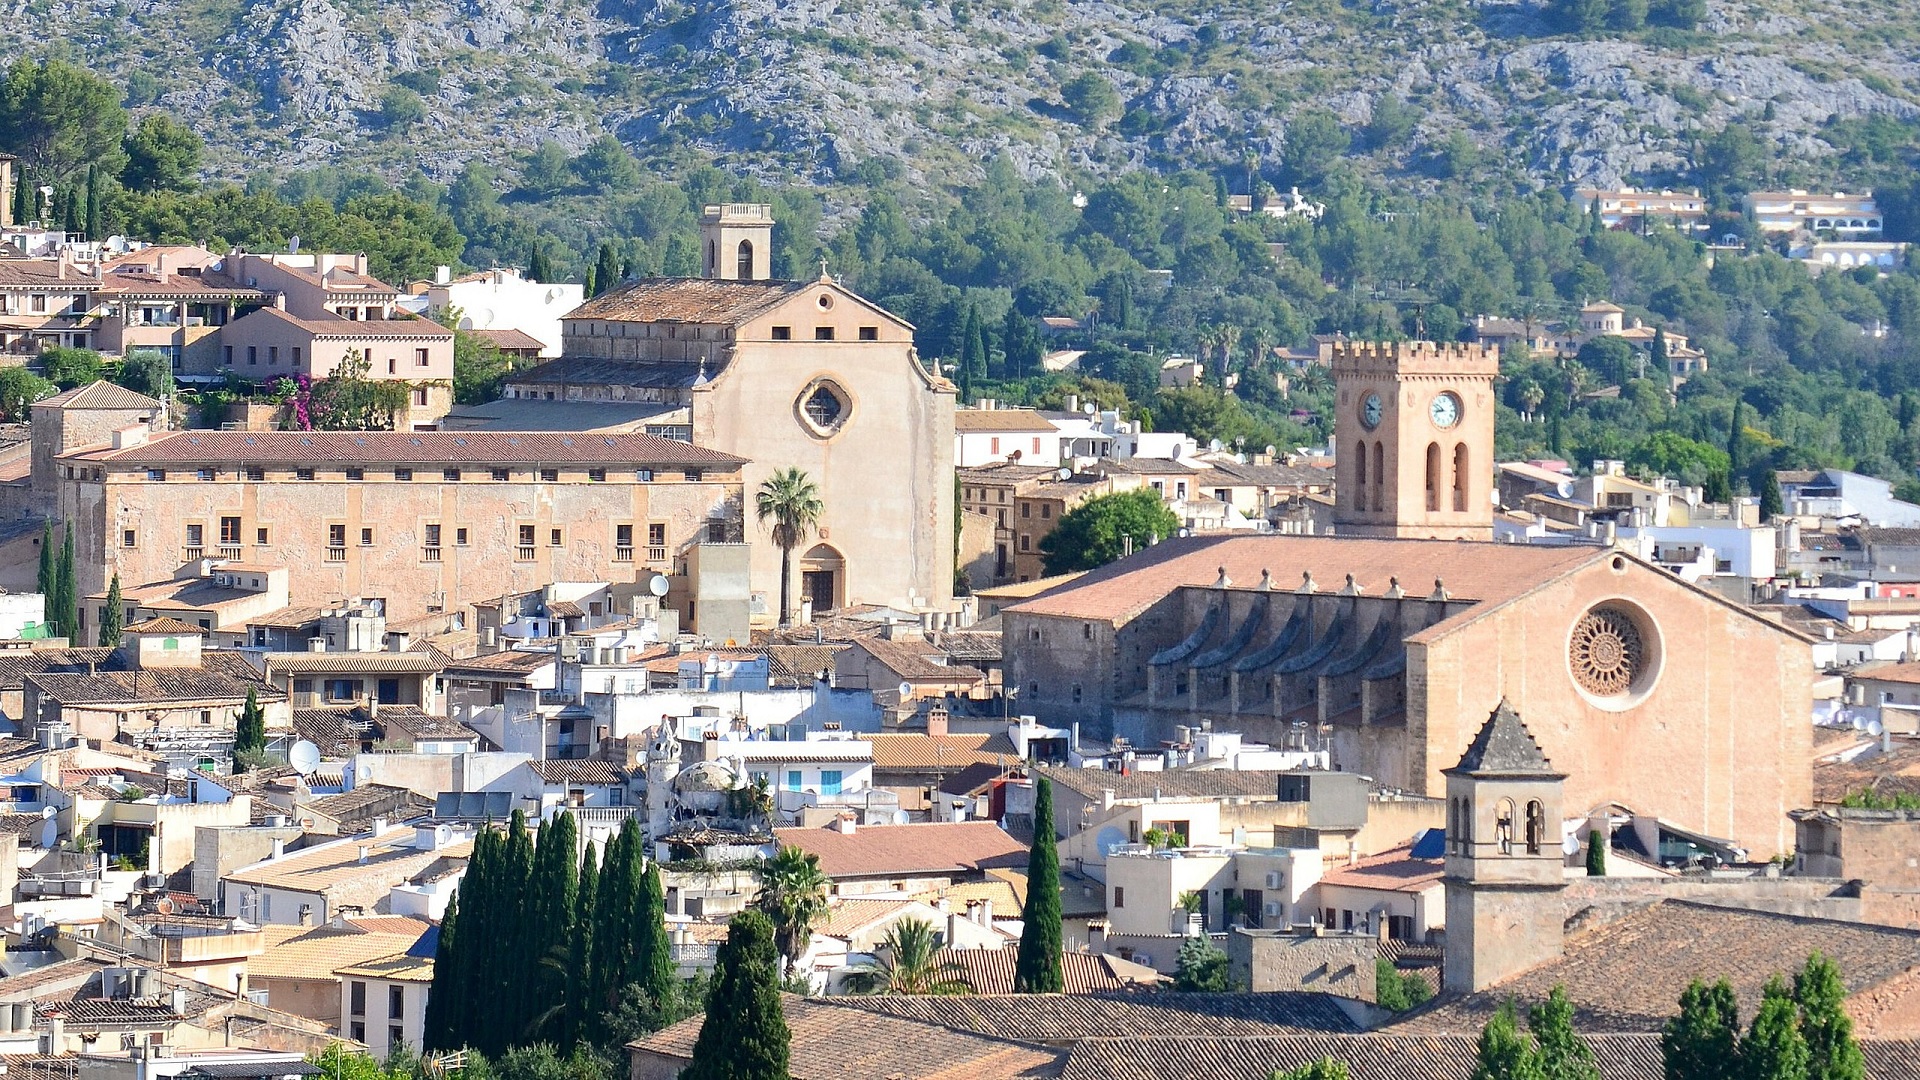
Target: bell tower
1504 857
736 241
1413 439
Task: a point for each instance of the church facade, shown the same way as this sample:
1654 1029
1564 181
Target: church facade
787 374
1394 647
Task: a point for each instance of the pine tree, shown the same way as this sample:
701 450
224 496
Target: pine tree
1774 1048
1559 1052
1771 505
653 950
581 1009
1832 1053
1596 853
68 609
113 617
250 734
606 270
1037 970
549 907
93 202
1702 1042
1505 1054
744 1035
444 999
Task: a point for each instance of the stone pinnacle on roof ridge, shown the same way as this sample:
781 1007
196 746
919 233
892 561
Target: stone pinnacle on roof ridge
1504 745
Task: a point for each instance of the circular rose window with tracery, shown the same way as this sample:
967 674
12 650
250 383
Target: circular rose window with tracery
1608 652
825 407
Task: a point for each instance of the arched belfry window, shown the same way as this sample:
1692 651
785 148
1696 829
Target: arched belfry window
1460 476
1433 476
743 264
1536 826
1503 826
1379 476
1360 488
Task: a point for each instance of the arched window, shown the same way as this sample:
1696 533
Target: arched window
1503 826
1433 476
713 258
1460 477
1360 487
1536 826
743 261
1379 476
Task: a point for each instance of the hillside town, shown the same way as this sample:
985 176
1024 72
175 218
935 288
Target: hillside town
727 696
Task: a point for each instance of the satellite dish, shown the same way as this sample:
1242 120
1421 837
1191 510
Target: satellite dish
657 585
1214 445
293 245
1270 450
1064 474
1859 722
1109 838
1876 728
906 690
304 757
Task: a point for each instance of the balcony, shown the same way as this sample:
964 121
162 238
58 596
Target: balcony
430 554
524 553
230 551
195 551
656 554
623 554
336 554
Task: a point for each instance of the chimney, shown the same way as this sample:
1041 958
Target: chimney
363 852
177 1000
360 263
442 275
937 718
159 264
54 1042
279 848
379 826
280 301
986 914
845 824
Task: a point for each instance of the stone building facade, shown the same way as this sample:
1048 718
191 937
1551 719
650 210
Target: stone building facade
1414 457
420 520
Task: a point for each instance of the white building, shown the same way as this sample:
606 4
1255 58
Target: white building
383 1003
988 435
1849 216
1694 552
500 299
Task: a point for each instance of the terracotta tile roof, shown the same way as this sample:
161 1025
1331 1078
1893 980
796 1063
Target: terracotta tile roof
915 659
1006 899
1171 783
1490 573
1068 1018
391 860
583 771
46 273
1392 870
1021 590
424 725
508 662
797 666
592 370
367 801
833 1042
1373 1056
414 663
509 340
710 302
170 286
1892 673
991 971
400 967
135 687
1892 773
336 327
230 448
951 752
1627 975
927 848
850 916
164 625
318 952
99 394
977 421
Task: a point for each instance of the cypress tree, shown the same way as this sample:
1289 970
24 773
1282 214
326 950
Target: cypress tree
1774 1048
744 1035
976 344
581 1010
444 1000
1596 853
47 567
1736 440
513 995
537 268
69 609
653 959
549 906
468 974
1832 1053
1660 350
22 201
613 917
606 269
93 202
1771 505
70 211
250 734
1037 970
1559 1053
1701 1043
1504 1053
592 287
114 616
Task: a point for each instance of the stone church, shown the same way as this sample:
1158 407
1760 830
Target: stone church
1394 640
802 374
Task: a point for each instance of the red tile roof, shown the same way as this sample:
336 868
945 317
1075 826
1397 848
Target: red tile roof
978 421
510 340
337 327
689 300
897 850
1394 870
231 448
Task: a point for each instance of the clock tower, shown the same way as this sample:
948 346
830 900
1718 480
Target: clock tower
1413 439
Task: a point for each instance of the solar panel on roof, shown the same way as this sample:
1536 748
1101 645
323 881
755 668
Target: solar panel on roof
1431 844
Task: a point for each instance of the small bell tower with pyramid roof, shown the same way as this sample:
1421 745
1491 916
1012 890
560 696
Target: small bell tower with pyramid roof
1505 860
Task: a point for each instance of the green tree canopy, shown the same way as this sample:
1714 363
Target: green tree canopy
1202 967
147 371
58 118
744 1036
1091 99
1099 530
1038 967
68 368
19 389
162 155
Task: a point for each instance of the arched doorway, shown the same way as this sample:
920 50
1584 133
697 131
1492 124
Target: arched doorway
823 577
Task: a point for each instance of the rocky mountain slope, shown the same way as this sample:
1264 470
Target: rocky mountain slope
822 89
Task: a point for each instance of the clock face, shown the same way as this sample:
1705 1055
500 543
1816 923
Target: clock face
1371 410
1445 411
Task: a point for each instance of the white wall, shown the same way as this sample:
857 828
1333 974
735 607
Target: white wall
505 301
991 447
374 1026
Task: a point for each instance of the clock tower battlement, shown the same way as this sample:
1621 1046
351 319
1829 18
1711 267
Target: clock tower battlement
1413 439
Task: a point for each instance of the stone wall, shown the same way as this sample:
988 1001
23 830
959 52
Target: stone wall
1313 961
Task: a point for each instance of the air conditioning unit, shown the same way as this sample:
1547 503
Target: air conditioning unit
1273 879
1273 909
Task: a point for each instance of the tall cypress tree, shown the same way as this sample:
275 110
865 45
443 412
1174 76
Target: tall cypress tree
974 361
114 617
93 202
1596 853
744 1035
613 917
1702 1042
1832 1053
466 972
1559 1052
514 984
69 604
1737 441
1037 969
250 734
606 269
653 959
1774 1048
581 1007
48 567
549 921
22 199
445 999
70 211
1771 505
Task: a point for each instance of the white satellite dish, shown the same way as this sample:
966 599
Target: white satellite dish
304 757
1859 722
293 245
1876 728
906 690
658 585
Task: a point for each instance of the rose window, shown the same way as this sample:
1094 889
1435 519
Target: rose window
1607 653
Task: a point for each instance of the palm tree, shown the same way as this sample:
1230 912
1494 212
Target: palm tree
1530 397
1229 340
790 499
793 893
908 962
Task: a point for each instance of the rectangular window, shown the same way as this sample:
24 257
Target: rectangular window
393 365
549 475
336 536
129 538
823 333
1046 511
459 538
256 473
296 356
419 358
260 536
366 537
358 1030
499 474
203 474
396 1003
420 396
452 476
403 475
156 474
993 445
623 543
598 476
553 538
694 476
526 536
829 781
1119 896
196 536
343 689
228 353
869 333
645 476
253 354
1026 509
303 474
433 536
656 534
783 333
273 355
229 530
357 998
793 779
